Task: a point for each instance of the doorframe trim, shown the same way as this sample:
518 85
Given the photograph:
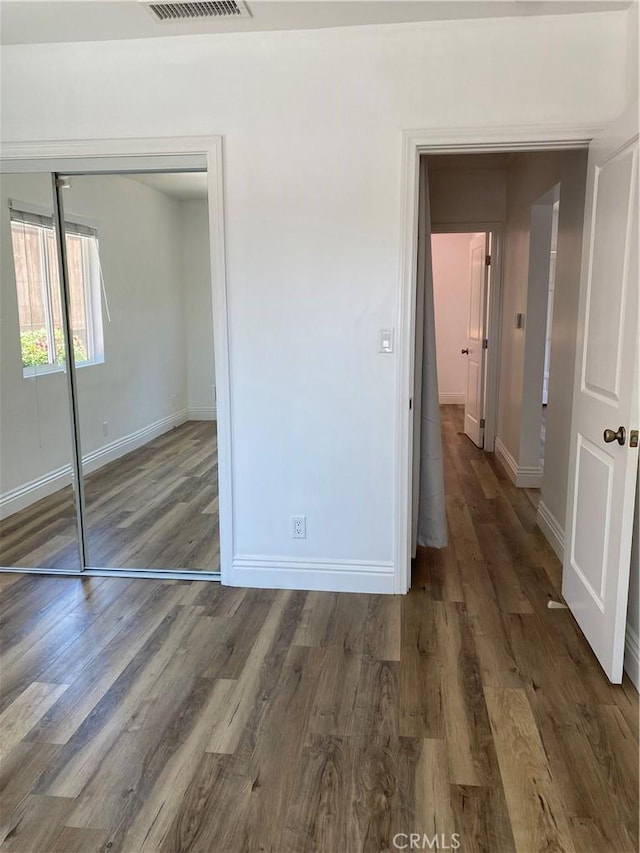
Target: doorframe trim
29 155
494 317
462 140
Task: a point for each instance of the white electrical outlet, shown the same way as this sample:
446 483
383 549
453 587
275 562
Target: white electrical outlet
105 428
298 527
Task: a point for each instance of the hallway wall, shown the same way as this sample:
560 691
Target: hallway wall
529 176
466 188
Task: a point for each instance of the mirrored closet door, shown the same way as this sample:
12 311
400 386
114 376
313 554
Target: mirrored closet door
133 407
138 262
39 509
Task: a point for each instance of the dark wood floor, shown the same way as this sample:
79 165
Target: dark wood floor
155 508
165 716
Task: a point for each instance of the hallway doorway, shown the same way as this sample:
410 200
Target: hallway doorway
461 262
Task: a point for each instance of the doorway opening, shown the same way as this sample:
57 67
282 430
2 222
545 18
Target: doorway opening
502 212
462 264
590 382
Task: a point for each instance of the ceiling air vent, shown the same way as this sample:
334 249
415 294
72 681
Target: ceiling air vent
190 11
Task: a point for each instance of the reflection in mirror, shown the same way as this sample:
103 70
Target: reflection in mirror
37 504
139 276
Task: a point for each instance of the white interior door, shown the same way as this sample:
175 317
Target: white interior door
474 351
603 470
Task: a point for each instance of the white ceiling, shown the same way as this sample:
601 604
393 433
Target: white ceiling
182 185
36 21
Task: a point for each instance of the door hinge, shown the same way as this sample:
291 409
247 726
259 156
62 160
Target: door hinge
482 423
485 343
487 260
410 403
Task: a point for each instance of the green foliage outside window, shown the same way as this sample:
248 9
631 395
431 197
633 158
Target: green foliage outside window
35 348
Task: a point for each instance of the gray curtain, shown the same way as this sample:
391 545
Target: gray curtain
429 514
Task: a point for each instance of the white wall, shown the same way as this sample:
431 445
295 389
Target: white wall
450 260
529 177
142 384
312 133
198 312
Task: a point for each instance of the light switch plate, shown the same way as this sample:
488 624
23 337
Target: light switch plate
386 340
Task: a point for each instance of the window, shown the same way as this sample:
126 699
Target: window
39 305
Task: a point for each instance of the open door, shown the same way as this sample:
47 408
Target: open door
604 456
475 352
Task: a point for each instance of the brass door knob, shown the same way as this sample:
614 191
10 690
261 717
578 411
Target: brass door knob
619 435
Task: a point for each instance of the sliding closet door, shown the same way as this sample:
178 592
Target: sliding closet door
38 508
138 269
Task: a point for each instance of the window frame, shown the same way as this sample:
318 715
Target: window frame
91 284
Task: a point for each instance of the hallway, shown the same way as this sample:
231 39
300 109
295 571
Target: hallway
151 715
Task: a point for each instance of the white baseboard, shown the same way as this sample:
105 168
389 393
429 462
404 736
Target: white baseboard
551 529
115 449
529 478
506 459
522 476
27 494
451 399
632 657
23 496
323 575
202 413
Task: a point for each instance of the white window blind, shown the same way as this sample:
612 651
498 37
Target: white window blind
31 218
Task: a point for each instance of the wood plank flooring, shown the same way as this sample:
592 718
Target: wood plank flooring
142 715
155 508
